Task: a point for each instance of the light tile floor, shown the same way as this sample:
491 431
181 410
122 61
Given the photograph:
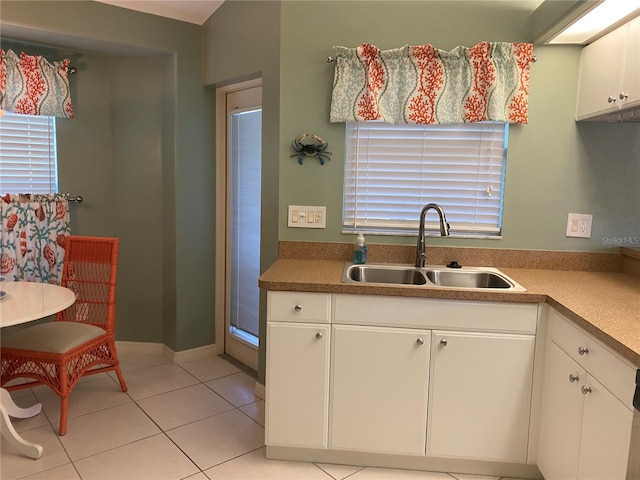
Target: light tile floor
197 420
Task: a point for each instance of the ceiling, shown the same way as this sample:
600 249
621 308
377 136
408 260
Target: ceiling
191 11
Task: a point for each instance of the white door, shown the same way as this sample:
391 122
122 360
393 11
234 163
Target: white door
238 209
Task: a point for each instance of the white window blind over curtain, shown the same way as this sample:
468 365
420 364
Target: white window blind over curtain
27 154
392 171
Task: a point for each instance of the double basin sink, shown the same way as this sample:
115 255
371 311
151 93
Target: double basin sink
476 278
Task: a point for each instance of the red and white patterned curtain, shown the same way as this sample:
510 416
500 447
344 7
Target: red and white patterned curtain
424 85
33 236
30 85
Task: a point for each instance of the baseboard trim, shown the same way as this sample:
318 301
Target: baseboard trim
140 347
161 349
191 354
259 390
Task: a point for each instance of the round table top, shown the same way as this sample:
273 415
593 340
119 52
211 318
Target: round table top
22 302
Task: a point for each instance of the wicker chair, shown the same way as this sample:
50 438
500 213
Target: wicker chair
81 340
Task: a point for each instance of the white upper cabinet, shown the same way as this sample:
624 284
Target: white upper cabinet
631 76
610 74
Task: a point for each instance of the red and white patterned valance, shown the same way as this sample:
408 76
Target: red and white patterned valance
424 85
30 85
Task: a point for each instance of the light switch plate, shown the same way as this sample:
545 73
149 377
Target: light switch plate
301 216
579 225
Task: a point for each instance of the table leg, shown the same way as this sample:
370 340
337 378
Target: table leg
9 408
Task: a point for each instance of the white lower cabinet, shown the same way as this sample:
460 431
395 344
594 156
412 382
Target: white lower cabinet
432 379
480 397
297 369
585 429
379 384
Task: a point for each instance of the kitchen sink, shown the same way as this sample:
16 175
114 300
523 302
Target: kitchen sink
475 278
396 274
468 278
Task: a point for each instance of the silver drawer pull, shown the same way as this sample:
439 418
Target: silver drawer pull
444 342
583 350
420 341
319 336
585 390
298 308
573 378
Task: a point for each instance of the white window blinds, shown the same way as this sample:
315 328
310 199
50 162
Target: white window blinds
392 171
245 150
27 154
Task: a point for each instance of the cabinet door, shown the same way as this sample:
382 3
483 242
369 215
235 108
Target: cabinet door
606 434
631 78
559 440
600 72
297 385
379 389
480 395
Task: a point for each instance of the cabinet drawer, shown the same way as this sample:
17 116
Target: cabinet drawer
302 307
435 313
606 366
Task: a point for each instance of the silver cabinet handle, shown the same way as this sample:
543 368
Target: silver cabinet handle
573 378
420 341
582 350
585 389
611 99
319 336
298 308
623 96
444 342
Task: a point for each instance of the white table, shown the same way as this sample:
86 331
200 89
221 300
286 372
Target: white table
24 302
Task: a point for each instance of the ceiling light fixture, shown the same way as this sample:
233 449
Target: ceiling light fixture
598 21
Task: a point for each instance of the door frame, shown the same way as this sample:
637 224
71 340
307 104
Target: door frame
221 206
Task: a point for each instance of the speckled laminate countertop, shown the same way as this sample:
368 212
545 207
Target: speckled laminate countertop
605 304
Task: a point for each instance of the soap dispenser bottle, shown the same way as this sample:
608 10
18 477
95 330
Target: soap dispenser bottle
360 251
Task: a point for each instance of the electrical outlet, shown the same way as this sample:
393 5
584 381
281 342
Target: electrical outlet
306 217
579 225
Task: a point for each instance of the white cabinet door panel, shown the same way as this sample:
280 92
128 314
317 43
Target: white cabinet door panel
379 389
561 416
631 78
600 70
297 385
480 396
606 432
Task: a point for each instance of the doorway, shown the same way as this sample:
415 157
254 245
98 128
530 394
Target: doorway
239 210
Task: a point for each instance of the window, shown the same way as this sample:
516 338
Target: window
28 154
392 171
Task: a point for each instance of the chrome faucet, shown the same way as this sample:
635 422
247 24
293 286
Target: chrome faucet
444 231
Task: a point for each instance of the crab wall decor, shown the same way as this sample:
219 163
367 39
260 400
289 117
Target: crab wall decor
309 145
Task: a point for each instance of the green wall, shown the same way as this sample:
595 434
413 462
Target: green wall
555 165
242 41
140 152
